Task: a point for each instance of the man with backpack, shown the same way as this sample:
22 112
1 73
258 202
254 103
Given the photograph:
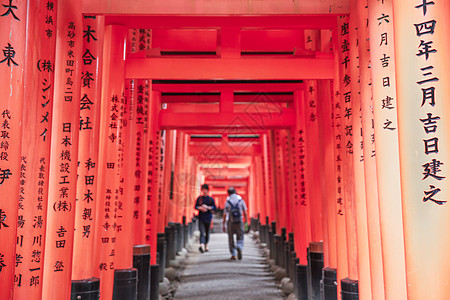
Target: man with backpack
235 208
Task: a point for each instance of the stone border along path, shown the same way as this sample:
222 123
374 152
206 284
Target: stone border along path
213 276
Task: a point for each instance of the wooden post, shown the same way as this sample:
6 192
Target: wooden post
353 132
64 153
12 67
423 74
89 127
108 182
37 118
371 184
381 28
339 112
303 233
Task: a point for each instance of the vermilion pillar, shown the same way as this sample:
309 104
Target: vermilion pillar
108 182
422 74
91 83
289 168
12 66
381 30
127 157
373 213
156 154
353 132
312 144
281 200
64 153
303 232
328 180
338 113
37 119
268 175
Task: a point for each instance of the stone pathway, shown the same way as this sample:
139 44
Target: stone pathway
213 276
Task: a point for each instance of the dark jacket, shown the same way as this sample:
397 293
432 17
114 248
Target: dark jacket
205 217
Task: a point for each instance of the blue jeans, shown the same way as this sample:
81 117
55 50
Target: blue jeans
204 231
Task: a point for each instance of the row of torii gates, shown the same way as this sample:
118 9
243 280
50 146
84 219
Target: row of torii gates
329 117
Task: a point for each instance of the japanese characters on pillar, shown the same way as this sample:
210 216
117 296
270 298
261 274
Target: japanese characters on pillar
108 187
381 30
124 204
422 77
37 119
354 131
342 87
12 65
87 196
140 164
64 153
161 156
302 204
369 151
312 143
280 178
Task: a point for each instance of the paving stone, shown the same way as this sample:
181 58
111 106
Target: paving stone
212 275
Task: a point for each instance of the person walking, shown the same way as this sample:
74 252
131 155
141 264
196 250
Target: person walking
205 206
235 208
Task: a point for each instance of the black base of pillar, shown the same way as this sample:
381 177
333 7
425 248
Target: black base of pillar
349 289
125 284
315 266
154 282
329 284
171 243
301 282
161 248
141 261
87 289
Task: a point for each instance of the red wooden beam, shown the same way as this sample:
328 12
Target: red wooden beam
227 121
236 159
266 87
291 21
215 98
232 68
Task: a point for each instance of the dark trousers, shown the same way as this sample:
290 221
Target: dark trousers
238 230
204 231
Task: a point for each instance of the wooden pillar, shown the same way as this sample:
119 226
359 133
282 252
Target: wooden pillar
12 67
108 183
381 30
422 74
328 180
89 127
37 118
303 234
338 113
127 157
281 198
64 153
373 214
353 132
312 145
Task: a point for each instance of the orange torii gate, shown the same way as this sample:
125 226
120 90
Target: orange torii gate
328 117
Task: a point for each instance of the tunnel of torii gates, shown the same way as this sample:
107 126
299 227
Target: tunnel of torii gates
329 118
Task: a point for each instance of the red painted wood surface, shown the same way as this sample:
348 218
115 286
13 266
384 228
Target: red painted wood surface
64 153
109 180
89 126
37 119
12 72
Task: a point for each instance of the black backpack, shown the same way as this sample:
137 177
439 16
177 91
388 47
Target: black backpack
235 212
